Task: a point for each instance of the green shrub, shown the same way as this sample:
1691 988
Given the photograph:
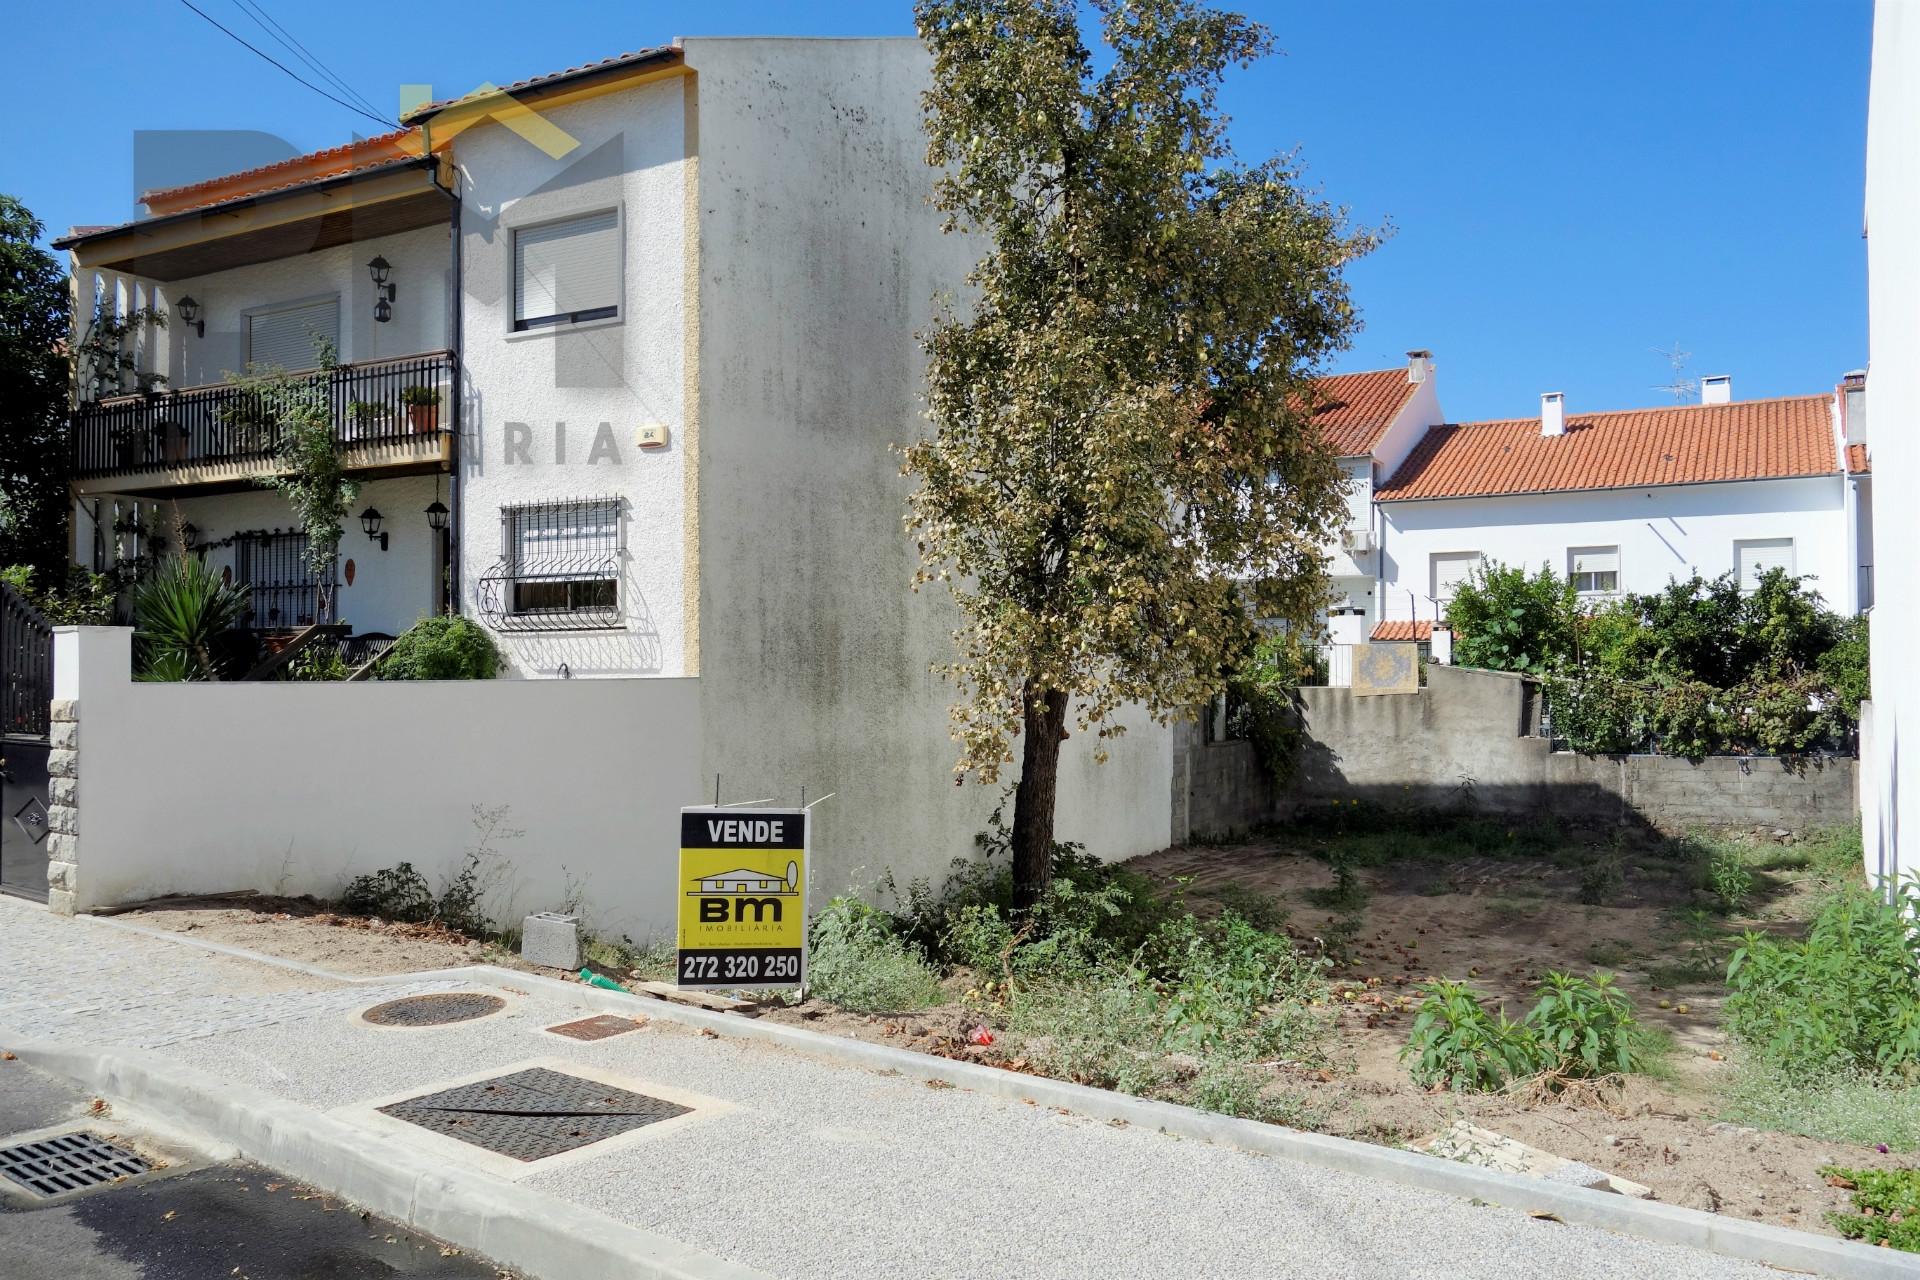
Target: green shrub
391 893
1261 703
1580 1028
1505 620
179 617
442 647
855 960
1888 1201
83 600
1846 998
1844 667
1595 713
318 663
1728 877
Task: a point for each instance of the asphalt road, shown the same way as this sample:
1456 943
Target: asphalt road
231 1220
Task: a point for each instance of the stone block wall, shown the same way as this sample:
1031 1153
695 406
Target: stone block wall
63 804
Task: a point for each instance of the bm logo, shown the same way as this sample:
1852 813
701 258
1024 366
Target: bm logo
729 897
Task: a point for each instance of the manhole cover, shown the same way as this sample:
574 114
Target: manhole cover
69 1162
598 1027
535 1113
434 1010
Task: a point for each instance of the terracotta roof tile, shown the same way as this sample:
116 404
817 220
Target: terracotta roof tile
1357 408
1858 462
326 162
1386 631
1634 448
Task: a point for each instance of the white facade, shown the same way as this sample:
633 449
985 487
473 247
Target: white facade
1651 536
1353 561
1890 788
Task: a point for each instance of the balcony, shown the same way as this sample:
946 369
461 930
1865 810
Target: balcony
209 439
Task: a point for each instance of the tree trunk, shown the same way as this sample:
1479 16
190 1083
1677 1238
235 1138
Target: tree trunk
1045 715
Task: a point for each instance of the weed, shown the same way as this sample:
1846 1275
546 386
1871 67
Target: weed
1457 1044
391 893
1581 1028
1888 1201
1347 892
856 961
1239 1091
1609 953
1728 878
1261 910
1601 880
1850 1107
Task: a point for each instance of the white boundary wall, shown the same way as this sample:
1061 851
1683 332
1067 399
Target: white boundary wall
294 788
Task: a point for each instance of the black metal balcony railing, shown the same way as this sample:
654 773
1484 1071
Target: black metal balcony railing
227 423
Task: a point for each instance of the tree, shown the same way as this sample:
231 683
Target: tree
33 397
1123 465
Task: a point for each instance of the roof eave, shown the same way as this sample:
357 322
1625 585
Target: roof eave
649 60
1382 496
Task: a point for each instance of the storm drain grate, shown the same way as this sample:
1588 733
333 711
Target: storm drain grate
598 1027
535 1113
434 1010
69 1162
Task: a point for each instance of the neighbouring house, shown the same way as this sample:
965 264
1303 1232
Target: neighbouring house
659 316
1890 732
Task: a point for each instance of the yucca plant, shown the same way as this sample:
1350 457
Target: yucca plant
178 614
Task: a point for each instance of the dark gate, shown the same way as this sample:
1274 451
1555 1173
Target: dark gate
26 689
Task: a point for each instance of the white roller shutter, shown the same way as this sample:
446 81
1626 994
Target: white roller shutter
1757 555
1450 569
567 270
287 336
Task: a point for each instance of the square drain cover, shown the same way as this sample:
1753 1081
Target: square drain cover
69 1162
598 1027
535 1113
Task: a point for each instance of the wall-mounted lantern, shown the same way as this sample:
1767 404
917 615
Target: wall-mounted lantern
384 290
437 516
190 315
189 537
370 521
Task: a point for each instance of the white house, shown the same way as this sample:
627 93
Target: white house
1890 758
661 312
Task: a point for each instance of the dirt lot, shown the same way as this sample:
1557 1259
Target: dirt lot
1498 923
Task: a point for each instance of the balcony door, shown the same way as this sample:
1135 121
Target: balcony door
287 335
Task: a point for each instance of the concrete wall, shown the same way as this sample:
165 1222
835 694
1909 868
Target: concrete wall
1893 394
294 788
554 413
1669 532
1464 738
819 258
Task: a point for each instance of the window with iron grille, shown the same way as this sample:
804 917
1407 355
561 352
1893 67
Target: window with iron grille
559 567
282 589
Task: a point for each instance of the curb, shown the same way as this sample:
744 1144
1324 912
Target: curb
507 1223
1780 1247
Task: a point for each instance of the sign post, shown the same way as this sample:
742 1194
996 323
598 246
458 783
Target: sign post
743 898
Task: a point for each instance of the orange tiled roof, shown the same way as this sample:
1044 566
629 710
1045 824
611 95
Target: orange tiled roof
1357 408
1385 631
1857 459
328 162
1633 448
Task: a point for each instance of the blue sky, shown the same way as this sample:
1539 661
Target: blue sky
1572 185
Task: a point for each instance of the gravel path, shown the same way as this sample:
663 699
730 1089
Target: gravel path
810 1169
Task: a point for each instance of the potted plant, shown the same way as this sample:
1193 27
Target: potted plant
171 437
423 408
367 417
129 446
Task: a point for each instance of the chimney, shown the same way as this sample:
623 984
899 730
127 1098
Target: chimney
1716 389
1419 366
1553 413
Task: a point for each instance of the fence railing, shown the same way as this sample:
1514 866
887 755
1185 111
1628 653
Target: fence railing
26 666
372 402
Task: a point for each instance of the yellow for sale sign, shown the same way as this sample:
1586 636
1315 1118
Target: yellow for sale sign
743 897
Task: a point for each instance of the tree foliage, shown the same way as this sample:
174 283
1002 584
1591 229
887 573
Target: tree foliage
1121 408
33 392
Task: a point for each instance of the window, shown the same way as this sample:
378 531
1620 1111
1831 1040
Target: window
283 590
1753 557
567 272
288 336
1449 570
559 567
1595 570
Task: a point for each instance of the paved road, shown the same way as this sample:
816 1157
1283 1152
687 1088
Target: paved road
234 1220
797 1167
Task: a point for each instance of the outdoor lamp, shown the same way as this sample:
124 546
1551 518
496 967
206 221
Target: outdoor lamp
437 516
370 521
190 315
382 271
189 536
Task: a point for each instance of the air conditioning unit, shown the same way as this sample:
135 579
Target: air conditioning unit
1357 541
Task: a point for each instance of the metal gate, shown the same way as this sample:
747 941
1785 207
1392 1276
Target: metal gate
283 590
26 690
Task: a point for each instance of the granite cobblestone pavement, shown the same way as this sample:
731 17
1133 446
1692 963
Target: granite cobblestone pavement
792 1165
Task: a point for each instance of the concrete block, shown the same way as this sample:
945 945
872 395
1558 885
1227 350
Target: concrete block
63 764
63 791
551 939
64 709
64 735
62 847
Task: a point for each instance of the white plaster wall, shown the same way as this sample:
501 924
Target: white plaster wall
1663 533
1422 410
819 260
1893 387
575 399
295 788
421 264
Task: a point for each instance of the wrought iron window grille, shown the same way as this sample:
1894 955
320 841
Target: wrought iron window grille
559 569
283 590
